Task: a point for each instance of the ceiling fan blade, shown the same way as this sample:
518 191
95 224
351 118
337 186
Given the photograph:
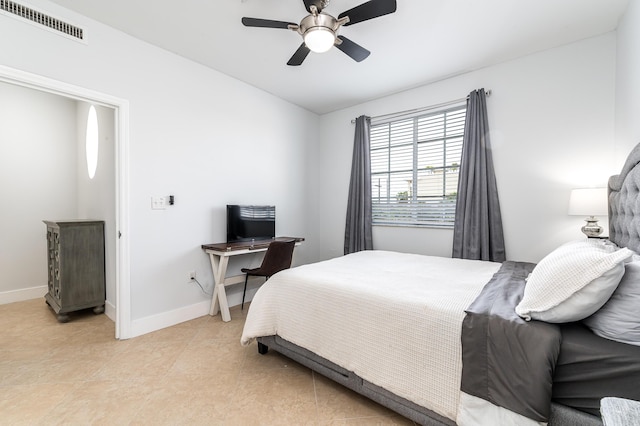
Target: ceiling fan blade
299 56
265 23
353 50
369 10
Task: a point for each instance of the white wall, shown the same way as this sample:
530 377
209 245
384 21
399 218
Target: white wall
37 182
195 133
628 83
97 196
211 140
551 117
45 177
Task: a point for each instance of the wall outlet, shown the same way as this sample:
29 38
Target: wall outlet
192 275
159 203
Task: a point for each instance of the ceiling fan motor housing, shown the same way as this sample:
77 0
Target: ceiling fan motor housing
322 26
322 20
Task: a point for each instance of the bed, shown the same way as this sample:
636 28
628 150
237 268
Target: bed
450 341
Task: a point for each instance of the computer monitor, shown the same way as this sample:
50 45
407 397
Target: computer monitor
249 222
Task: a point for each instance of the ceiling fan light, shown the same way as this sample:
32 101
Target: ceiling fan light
319 39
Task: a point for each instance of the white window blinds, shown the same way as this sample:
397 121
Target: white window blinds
414 168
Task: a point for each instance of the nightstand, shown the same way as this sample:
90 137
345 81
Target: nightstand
75 258
620 412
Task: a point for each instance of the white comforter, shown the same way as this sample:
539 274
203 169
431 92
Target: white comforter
394 319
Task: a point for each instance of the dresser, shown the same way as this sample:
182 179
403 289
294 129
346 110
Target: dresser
76 268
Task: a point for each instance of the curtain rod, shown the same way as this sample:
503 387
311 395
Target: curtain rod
416 110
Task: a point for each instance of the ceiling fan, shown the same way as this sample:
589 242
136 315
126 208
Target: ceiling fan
319 30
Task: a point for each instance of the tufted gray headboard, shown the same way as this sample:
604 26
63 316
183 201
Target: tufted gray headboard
624 203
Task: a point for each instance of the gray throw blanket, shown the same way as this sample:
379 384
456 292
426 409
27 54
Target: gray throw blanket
506 360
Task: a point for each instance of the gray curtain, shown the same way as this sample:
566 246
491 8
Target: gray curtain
358 230
477 232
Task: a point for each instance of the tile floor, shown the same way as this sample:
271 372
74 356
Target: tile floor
195 373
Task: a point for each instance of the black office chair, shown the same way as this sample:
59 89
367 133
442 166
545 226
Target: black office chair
277 258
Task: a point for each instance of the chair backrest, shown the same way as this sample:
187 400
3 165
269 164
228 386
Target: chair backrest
278 257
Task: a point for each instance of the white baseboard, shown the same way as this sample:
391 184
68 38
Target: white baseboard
110 310
22 294
167 319
139 327
39 292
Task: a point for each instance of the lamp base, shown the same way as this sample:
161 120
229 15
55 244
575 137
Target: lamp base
591 229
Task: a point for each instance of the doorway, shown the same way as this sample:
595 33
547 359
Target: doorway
120 108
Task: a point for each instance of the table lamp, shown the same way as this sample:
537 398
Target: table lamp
589 202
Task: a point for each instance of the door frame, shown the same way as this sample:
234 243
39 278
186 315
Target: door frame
121 107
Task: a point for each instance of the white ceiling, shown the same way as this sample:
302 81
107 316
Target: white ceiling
423 42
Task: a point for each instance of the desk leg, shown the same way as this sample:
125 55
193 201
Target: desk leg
219 298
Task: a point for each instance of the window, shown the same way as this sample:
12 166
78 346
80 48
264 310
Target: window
414 168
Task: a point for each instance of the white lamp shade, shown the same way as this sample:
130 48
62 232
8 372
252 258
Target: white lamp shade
588 202
319 39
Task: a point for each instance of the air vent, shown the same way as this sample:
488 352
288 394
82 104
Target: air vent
54 24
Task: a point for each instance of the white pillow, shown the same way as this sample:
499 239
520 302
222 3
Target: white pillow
573 281
619 318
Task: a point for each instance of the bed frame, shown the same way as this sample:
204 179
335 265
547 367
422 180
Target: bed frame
560 415
624 230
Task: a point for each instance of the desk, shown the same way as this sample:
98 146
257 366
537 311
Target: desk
219 255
